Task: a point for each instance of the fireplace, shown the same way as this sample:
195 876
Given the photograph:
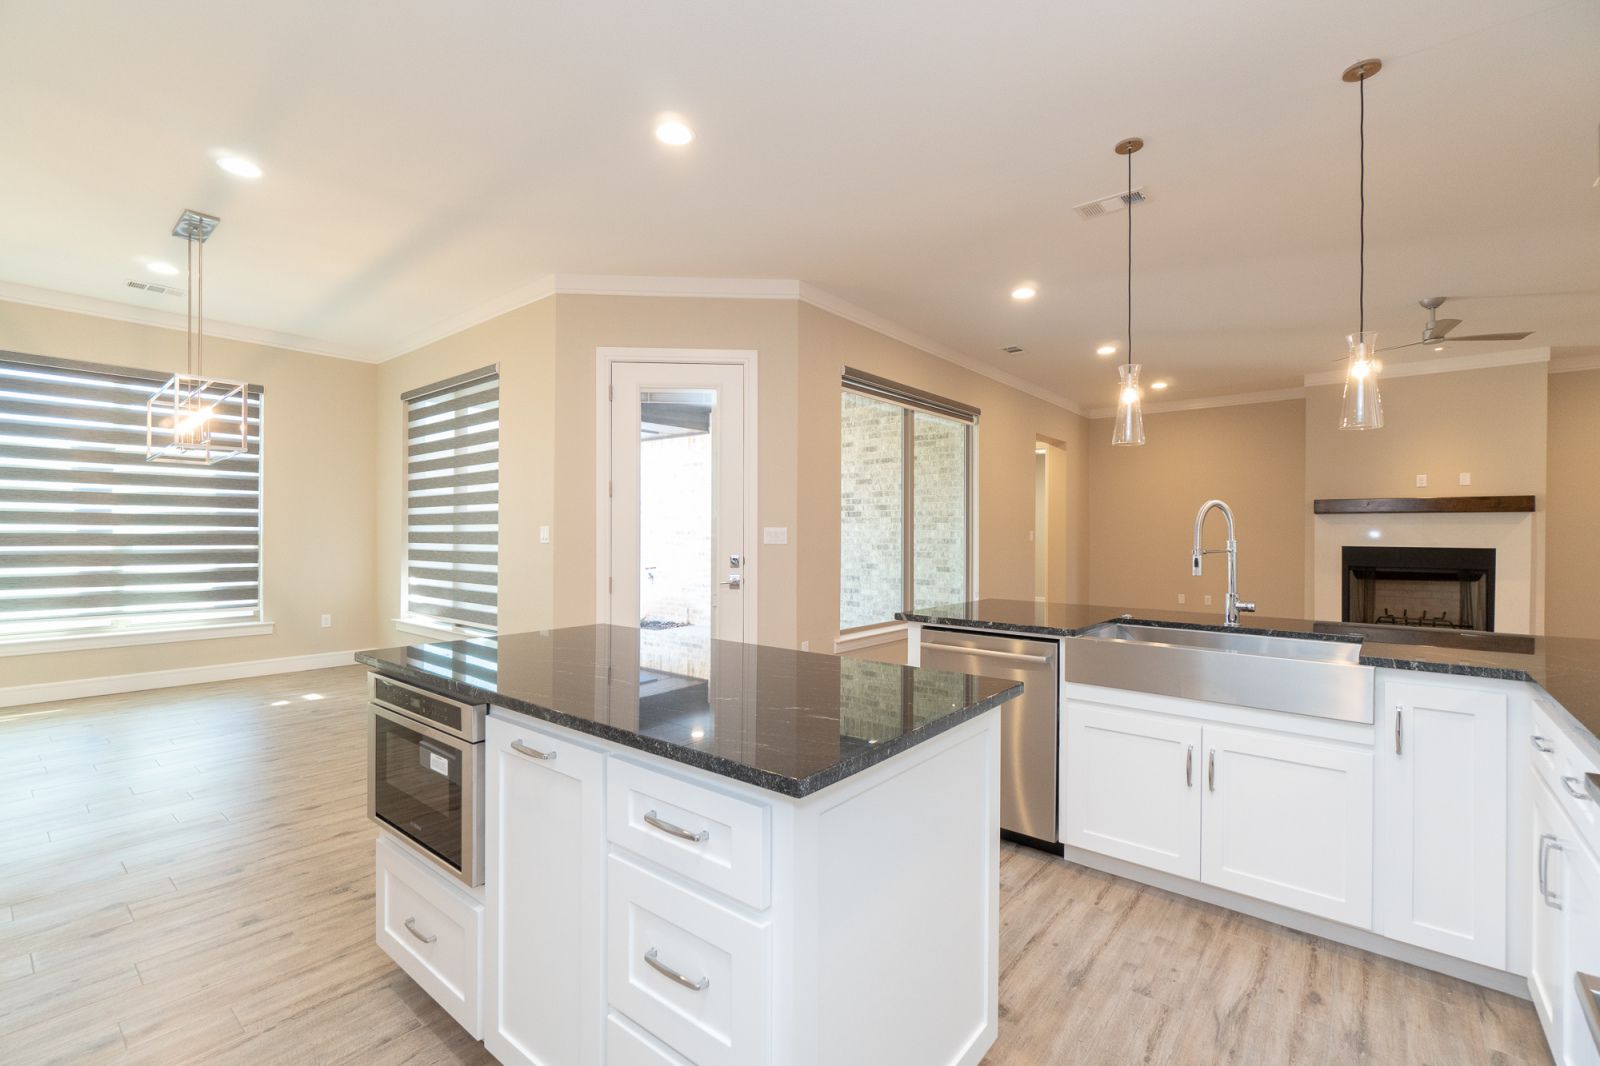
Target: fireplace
1440 588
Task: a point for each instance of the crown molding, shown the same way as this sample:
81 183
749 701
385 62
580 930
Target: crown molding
1202 403
835 305
1447 365
696 288
54 300
523 295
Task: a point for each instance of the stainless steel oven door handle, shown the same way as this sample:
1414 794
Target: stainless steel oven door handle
673 975
533 753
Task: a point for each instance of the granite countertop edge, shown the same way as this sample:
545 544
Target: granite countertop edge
794 788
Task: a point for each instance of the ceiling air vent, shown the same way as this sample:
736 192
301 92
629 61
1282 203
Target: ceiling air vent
1011 349
1110 205
152 287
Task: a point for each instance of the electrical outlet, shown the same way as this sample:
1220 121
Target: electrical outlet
1182 598
1208 601
1422 481
327 621
1466 479
805 645
544 534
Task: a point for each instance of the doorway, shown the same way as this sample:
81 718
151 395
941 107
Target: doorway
1049 520
677 461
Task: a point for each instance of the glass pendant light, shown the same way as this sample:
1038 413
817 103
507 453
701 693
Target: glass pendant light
1363 406
1128 429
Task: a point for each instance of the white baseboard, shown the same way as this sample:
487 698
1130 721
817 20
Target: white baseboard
1366 940
112 684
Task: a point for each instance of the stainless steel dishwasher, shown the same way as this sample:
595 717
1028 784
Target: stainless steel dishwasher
1030 725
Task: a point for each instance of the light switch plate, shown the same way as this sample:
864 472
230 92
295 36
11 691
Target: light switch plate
1208 601
1182 598
1422 481
1466 479
544 534
327 621
775 535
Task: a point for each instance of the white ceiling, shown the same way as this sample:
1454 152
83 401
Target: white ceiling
915 157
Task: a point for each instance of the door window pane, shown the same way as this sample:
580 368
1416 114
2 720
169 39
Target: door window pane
676 528
872 510
940 510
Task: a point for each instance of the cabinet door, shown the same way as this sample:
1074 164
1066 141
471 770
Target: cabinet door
1548 954
1580 909
1132 788
545 873
1289 821
1442 858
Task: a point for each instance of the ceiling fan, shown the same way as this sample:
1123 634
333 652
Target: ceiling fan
1437 331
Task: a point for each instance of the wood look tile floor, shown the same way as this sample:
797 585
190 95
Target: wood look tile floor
186 877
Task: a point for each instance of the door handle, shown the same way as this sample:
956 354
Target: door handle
1188 768
1575 788
735 581
1547 844
522 749
1399 718
1541 744
1211 770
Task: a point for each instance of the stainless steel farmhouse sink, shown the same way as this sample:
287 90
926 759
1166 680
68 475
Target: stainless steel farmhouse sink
1320 678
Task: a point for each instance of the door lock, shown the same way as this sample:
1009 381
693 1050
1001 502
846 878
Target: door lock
733 561
734 581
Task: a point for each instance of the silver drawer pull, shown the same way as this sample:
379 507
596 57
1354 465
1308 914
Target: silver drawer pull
1541 744
654 820
668 972
1188 768
1575 787
1547 844
522 749
411 927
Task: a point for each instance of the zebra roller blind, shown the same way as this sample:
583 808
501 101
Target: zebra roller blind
453 500
93 539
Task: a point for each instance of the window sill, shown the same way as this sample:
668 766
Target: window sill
132 638
867 638
428 629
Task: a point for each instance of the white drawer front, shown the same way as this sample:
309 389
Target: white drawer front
432 930
719 840
627 1046
723 1021
1565 768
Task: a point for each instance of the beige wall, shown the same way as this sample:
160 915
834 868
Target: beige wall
1009 426
1572 520
318 464
1141 519
522 344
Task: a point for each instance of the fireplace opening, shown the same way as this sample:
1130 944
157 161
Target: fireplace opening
1439 588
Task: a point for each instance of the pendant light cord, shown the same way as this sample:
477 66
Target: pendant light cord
1130 258
1362 296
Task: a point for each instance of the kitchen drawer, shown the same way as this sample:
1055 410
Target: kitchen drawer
1566 769
433 930
626 1045
716 1011
718 840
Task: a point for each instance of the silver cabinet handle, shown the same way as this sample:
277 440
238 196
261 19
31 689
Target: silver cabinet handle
1575 788
1211 770
988 653
533 753
1188 768
655 820
411 927
673 975
1541 744
1399 718
1547 844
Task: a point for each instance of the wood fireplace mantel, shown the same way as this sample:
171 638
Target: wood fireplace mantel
1427 505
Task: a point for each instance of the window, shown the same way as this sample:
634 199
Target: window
453 501
94 539
904 500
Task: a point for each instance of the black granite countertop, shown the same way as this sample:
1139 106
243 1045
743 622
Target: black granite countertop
1567 668
788 721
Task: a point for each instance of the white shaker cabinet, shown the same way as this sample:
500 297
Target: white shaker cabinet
1442 848
1289 820
1133 786
545 838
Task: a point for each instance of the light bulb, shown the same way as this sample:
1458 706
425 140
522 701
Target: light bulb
1130 395
1360 369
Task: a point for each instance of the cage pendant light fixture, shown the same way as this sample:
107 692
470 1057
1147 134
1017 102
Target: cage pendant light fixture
1363 405
192 418
1128 429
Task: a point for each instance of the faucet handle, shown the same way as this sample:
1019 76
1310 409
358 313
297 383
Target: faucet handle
1244 605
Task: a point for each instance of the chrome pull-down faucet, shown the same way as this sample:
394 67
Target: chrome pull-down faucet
1233 604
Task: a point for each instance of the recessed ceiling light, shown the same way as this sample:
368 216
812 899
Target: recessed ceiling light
1106 349
239 166
674 132
1158 385
1024 292
1438 347
155 266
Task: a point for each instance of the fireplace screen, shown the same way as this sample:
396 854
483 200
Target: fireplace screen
1449 588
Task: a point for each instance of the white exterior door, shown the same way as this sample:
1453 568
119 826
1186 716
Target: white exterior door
1289 820
1442 848
678 566
1132 786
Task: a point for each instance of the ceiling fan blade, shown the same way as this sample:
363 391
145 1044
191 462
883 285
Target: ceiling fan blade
1444 326
1413 344
1494 336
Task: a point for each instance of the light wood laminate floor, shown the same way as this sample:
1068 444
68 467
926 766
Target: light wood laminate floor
186 877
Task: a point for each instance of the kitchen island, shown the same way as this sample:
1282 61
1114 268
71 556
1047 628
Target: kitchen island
791 860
